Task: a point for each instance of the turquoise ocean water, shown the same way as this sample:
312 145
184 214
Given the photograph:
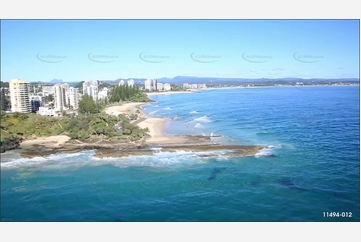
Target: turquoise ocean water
311 165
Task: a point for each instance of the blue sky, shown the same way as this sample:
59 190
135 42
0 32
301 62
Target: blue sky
76 50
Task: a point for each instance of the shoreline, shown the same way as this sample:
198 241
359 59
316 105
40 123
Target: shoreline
44 146
253 87
168 93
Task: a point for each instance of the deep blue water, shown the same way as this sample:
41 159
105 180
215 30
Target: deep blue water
311 165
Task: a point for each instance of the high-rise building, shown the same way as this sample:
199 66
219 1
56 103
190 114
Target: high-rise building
66 87
47 90
160 86
35 102
121 83
91 88
103 94
167 87
185 85
59 97
154 84
131 83
19 95
148 85
73 97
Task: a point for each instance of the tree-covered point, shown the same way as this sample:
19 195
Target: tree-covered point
81 126
126 93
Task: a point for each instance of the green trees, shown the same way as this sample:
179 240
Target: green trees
49 98
80 86
126 93
88 106
81 126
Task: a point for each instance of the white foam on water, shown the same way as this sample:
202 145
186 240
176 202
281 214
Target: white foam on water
192 112
63 161
167 108
152 113
198 126
203 119
264 152
160 159
55 160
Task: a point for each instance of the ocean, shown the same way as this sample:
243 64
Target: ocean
308 172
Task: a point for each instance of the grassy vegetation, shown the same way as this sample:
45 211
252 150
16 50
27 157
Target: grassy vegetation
81 126
91 120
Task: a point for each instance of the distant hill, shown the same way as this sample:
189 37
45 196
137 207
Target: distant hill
179 80
56 81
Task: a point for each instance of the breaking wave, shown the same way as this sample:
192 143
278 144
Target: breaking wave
203 119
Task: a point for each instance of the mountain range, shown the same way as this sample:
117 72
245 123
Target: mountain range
178 80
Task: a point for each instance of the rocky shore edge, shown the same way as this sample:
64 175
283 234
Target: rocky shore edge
108 148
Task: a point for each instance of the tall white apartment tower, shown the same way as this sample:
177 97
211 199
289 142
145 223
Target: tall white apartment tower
148 85
154 84
19 96
131 83
91 88
59 97
66 87
74 97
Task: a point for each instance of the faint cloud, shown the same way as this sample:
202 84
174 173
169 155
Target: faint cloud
253 70
278 69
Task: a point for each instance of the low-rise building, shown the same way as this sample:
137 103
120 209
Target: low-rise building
46 111
159 86
36 102
167 87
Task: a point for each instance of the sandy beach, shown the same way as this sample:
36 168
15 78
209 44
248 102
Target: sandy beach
127 108
156 125
51 141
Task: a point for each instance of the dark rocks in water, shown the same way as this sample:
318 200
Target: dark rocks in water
214 173
212 177
287 182
10 144
255 183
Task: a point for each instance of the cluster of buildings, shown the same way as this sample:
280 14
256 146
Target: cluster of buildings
130 83
153 85
194 86
24 97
